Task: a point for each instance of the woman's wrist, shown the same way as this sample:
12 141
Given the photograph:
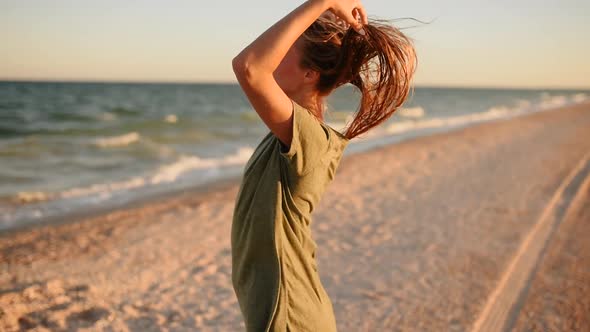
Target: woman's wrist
326 4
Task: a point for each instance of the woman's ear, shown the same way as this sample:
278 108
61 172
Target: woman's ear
311 76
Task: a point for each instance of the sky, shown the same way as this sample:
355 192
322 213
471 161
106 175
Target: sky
477 43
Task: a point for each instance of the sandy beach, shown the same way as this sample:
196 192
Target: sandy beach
558 295
424 235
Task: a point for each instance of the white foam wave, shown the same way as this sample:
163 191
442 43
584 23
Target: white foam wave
104 189
579 97
549 101
171 118
411 112
169 173
166 173
523 104
32 196
122 140
408 125
107 116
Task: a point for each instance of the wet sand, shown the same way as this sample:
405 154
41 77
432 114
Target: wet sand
414 236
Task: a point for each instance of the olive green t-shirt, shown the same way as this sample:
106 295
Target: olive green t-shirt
274 270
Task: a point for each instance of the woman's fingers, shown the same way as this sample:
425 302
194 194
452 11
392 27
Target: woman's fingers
352 12
352 19
356 20
363 12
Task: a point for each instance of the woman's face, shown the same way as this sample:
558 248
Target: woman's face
289 75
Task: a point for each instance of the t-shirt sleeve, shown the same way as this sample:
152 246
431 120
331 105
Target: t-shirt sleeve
310 141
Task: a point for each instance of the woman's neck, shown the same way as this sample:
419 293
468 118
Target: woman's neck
309 102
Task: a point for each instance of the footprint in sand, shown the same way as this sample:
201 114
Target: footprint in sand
86 318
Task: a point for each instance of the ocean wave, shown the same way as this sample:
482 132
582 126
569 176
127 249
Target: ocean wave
124 111
104 190
169 173
164 174
8 131
107 116
523 104
113 141
579 97
171 118
32 196
411 112
548 101
495 112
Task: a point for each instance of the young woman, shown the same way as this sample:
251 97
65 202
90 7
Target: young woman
286 73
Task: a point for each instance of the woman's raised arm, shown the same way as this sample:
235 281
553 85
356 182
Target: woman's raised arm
254 66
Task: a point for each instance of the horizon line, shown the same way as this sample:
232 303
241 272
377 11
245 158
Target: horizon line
213 82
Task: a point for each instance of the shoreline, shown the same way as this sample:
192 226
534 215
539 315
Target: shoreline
430 229
198 193
223 184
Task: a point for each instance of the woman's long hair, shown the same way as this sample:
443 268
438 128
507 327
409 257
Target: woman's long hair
381 64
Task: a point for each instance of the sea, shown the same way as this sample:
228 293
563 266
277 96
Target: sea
70 147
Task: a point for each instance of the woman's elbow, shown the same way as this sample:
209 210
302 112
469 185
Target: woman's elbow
244 70
240 67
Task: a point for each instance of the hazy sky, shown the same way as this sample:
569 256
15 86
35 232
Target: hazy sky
502 43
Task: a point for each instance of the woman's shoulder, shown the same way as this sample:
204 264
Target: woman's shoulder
335 135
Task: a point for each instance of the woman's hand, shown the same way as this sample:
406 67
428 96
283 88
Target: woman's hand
351 12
